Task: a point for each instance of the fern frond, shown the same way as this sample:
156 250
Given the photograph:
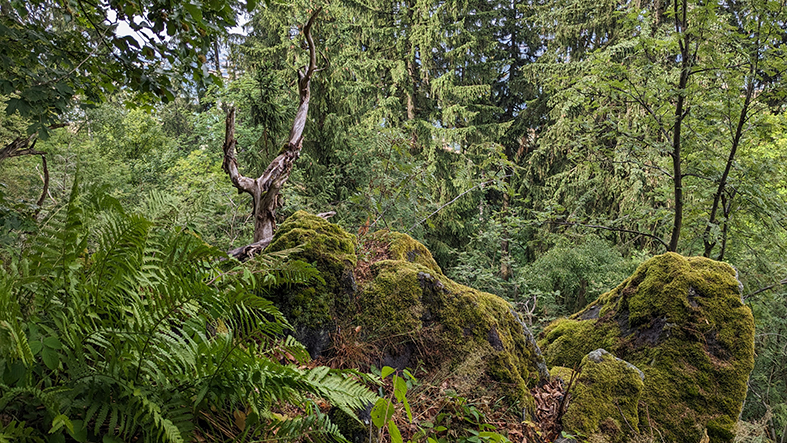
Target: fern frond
18 432
49 400
340 389
314 425
13 340
150 331
159 206
165 429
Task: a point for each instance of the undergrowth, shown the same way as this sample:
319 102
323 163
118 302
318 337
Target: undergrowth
116 327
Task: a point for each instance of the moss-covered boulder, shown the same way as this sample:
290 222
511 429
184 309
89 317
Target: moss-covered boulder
682 322
312 309
394 306
605 397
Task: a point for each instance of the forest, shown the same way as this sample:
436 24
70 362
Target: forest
539 150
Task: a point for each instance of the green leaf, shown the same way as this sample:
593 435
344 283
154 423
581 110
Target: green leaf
53 343
492 436
35 347
195 11
387 370
250 5
396 436
400 388
382 411
60 421
407 409
80 431
51 358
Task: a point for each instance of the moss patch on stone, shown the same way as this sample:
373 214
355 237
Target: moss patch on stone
406 312
318 238
404 248
418 317
604 399
312 309
682 322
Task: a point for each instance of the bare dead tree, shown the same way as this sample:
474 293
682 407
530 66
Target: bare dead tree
265 189
25 145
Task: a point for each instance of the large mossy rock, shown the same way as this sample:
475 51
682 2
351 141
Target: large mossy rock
682 322
397 308
312 309
604 398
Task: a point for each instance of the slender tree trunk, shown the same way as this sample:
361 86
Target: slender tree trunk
717 197
505 256
265 189
216 55
726 204
680 114
45 179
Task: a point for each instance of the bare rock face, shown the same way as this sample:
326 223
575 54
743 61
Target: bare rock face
390 304
681 322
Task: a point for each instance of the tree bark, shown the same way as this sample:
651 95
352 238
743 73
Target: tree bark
265 189
680 114
26 146
717 197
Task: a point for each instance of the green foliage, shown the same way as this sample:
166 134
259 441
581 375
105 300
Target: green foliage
461 421
682 323
16 217
526 144
575 275
55 51
384 408
767 396
119 327
560 282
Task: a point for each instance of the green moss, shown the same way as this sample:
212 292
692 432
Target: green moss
332 251
410 314
405 248
317 238
569 340
721 428
457 332
682 322
604 399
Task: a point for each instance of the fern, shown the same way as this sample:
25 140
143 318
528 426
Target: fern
127 329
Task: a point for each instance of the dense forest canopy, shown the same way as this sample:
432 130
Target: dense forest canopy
540 150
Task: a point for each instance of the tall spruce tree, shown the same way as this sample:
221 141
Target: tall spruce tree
651 105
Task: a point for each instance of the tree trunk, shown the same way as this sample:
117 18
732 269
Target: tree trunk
26 146
706 238
265 189
680 114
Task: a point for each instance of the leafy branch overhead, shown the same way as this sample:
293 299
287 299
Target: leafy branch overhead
53 52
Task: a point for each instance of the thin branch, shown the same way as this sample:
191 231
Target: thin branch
230 163
24 145
304 77
609 228
766 288
45 189
454 199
